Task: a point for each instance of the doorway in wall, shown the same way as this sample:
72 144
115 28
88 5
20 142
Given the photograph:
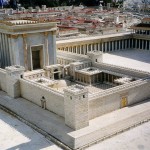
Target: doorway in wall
124 101
37 57
56 74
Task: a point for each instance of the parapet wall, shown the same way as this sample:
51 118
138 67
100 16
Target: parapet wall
110 99
3 83
34 93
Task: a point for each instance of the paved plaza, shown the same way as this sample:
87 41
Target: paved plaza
15 135
135 59
20 136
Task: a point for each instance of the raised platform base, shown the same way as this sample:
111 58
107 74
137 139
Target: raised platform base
99 128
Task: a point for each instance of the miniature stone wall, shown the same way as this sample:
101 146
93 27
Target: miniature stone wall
33 92
110 100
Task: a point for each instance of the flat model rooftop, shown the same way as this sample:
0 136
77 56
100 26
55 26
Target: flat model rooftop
134 59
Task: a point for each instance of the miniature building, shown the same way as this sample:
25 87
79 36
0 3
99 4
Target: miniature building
28 43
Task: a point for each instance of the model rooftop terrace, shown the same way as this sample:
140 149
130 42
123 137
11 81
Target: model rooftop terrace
26 25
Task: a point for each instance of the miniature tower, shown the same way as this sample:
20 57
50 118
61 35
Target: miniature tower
14 73
76 107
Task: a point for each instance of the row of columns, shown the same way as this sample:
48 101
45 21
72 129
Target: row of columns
141 44
87 79
92 79
103 46
142 32
109 78
108 46
5 59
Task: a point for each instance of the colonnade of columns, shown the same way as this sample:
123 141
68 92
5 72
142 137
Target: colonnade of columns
141 32
108 46
5 43
87 79
109 78
92 79
141 44
102 46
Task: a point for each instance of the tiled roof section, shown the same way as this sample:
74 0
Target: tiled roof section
146 19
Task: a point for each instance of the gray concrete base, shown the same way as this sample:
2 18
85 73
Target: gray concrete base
98 129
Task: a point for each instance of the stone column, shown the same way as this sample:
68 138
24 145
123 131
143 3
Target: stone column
139 44
135 43
71 49
132 43
109 46
142 44
146 45
125 44
4 62
80 49
24 36
76 49
6 50
102 47
91 47
84 49
105 77
119 45
52 47
95 47
129 44
112 45
10 50
105 46
116 45
98 47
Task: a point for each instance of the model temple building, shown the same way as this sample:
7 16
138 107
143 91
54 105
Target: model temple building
79 79
28 43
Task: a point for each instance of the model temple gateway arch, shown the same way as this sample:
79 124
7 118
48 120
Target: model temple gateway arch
28 43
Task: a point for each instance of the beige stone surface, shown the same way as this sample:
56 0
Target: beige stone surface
15 135
135 59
